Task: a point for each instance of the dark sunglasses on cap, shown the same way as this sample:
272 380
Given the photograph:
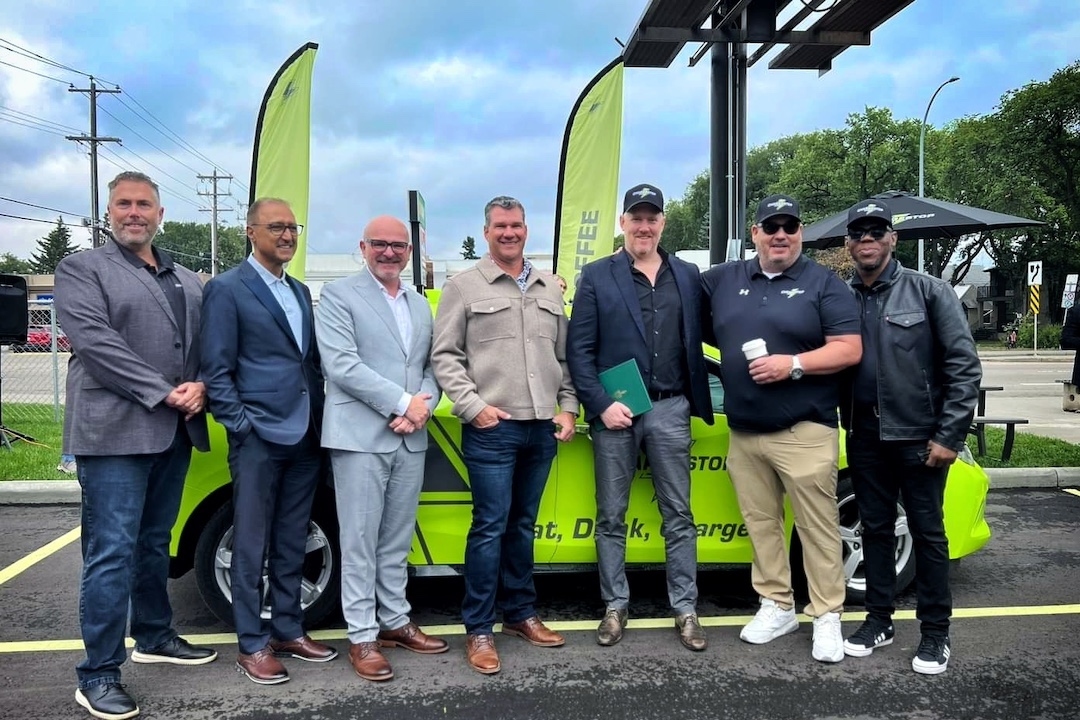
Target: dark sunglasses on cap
771 227
877 233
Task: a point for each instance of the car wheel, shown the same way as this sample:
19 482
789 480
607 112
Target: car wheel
321 586
851 531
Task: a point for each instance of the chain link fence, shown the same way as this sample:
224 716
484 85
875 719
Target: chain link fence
33 374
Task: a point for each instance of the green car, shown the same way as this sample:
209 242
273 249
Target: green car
202 537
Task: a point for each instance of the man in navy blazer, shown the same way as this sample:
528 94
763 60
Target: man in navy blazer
642 304
261 366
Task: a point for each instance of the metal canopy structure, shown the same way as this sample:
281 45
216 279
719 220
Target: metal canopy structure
667 25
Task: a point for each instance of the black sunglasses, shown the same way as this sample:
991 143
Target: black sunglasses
876 233
771 227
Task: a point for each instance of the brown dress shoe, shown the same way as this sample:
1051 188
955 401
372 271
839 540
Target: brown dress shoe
369 663
262 667
481 652
483 656
691 634
303 648
535 632
410 637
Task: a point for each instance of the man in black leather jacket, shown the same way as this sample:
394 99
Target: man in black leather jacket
907 411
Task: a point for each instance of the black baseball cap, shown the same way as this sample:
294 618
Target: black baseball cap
644 193
872 209
776 205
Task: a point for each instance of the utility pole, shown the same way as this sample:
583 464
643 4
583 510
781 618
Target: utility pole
213 194
93 139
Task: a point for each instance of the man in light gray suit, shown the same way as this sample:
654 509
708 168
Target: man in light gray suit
374 337
135 408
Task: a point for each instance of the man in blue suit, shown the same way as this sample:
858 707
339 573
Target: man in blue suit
642 304
260 363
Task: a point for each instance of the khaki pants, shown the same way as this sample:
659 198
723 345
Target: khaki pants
800 461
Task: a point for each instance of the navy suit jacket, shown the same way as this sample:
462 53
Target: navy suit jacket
606 328
256 377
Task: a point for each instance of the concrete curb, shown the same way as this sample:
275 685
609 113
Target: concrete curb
67 492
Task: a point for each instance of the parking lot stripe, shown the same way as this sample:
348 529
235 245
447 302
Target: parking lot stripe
568 626
38 555
1072 491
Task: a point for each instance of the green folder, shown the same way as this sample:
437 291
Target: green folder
623 383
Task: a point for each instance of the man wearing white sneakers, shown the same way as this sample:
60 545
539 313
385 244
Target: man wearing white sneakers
781 409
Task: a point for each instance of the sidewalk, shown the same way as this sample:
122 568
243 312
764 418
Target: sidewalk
1027 355
66 492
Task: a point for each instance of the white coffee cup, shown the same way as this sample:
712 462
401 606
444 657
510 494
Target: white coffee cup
753 349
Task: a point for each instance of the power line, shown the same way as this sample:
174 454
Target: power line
39 220
125 165
136 134
27 53
40 207
164 130
42 75
16 121
13 111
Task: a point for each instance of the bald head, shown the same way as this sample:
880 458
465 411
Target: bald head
385 247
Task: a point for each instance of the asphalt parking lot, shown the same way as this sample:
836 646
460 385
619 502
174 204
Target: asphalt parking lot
1014 640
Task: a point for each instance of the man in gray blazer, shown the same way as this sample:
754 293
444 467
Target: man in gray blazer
374 337
135 408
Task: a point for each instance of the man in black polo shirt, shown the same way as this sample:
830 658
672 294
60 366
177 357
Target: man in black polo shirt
781 409
907 416
645 305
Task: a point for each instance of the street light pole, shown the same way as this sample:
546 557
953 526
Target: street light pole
922 160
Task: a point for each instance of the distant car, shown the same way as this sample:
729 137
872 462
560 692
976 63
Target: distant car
202 536
39 339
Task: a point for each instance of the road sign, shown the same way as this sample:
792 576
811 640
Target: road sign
1033 302
1068 297
1034 274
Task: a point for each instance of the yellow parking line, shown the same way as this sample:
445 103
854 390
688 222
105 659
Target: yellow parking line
38 555
1072 491
570 626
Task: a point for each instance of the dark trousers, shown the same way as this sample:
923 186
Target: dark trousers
881 471
273 489
508 468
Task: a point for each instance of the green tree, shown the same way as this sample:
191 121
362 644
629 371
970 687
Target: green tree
189 245
14 265
468 248
53 248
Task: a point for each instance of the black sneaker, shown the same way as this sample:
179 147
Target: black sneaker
871 635
177 651
108 701
932 657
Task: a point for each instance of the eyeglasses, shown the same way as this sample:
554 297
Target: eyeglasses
771 227
280 228
381 245
877 233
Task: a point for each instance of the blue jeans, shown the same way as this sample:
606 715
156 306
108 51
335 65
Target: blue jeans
129 505
508 467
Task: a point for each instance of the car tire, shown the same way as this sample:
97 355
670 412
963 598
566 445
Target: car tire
852 545
321 594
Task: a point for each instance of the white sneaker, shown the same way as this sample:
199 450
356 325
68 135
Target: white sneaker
828 640
770 622
67 466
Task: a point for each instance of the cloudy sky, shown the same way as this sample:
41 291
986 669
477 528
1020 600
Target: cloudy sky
461 100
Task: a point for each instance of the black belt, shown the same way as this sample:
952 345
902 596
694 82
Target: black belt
656 395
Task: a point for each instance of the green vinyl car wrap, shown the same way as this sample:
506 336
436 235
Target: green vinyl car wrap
202 536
